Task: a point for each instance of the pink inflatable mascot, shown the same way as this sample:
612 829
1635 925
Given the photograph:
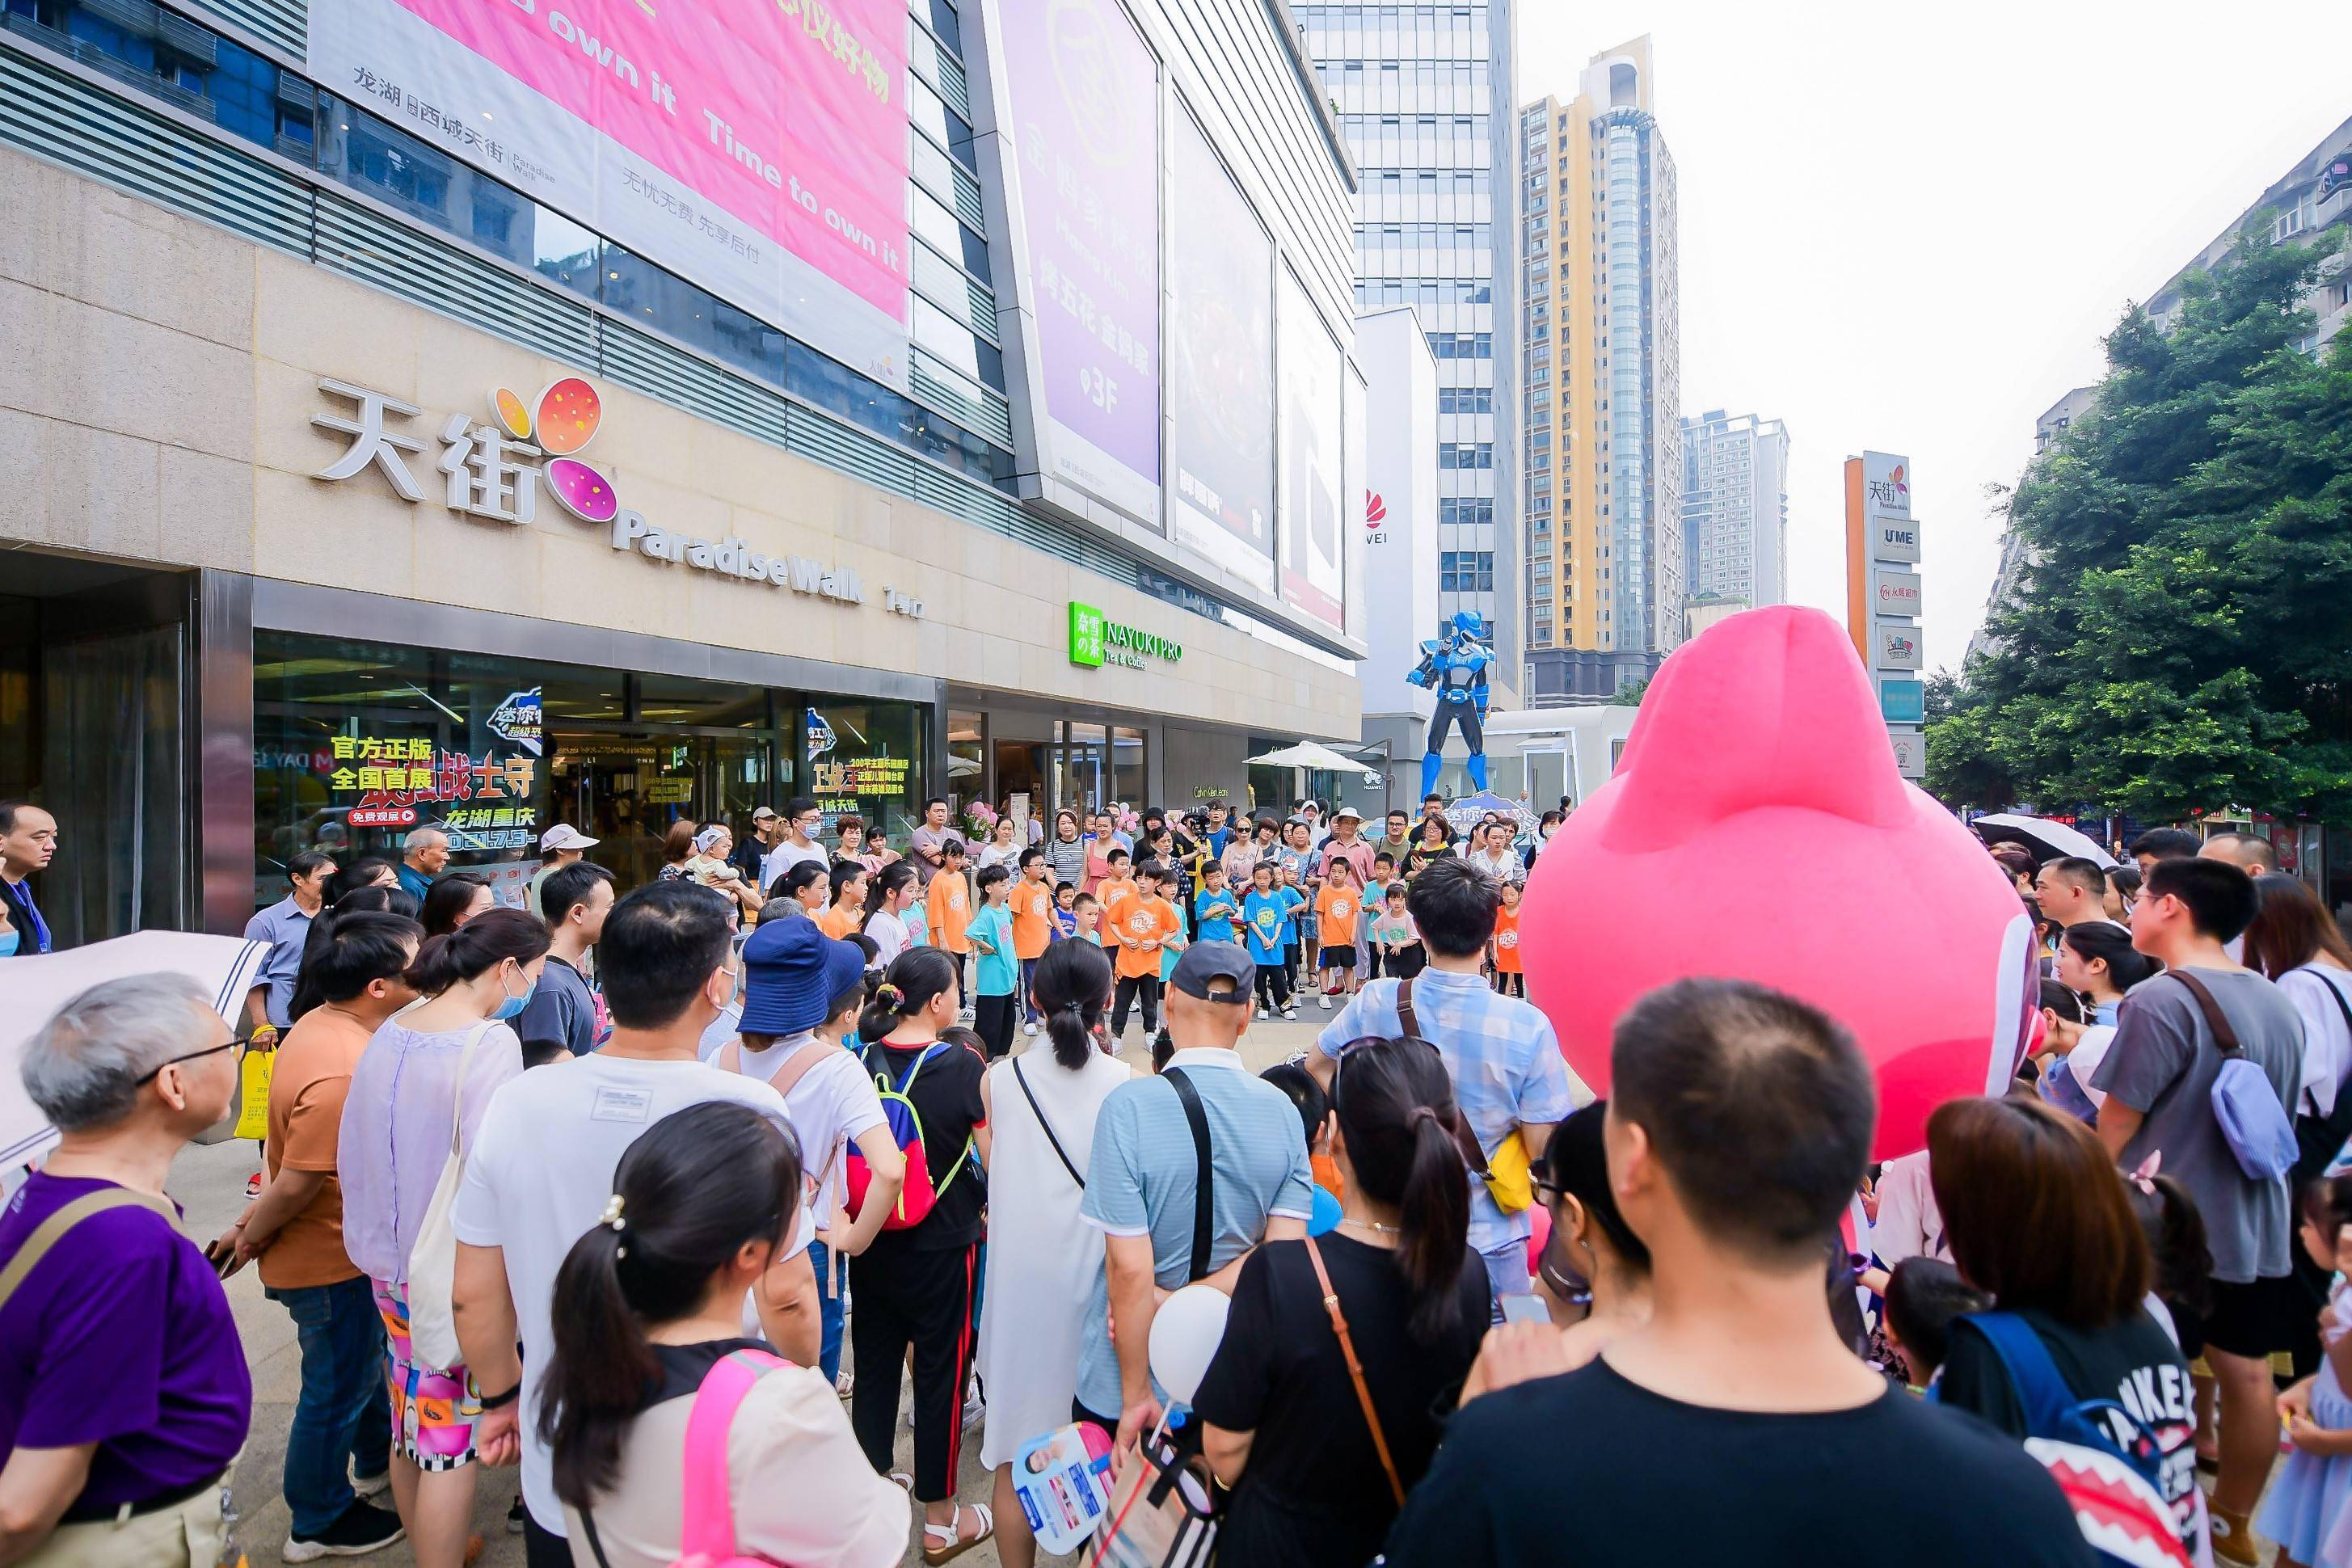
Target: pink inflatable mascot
1756 829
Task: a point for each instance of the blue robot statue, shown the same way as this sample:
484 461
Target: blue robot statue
1455 667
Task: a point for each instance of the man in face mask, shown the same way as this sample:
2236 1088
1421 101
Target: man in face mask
542 1168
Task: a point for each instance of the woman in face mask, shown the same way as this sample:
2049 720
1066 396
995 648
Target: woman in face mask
1592 1254
425 1072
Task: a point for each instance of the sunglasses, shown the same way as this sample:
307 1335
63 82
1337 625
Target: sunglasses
149 1076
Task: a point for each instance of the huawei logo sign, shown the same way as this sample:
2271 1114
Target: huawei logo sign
1375 509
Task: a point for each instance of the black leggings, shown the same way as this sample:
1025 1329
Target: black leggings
1272 986
924 1299
1511 985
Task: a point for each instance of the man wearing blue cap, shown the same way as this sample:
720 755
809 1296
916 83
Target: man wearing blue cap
802 991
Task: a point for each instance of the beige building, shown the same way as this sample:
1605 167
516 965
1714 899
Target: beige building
302 544
1604 473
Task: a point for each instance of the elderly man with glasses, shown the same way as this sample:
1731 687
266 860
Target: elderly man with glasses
123 1390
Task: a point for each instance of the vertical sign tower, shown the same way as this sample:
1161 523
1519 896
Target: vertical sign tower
1882 559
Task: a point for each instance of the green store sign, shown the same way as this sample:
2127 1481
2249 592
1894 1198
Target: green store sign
1095 641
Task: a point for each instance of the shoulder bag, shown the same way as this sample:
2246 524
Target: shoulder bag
1355 1371
54 1229
2254 1122
1204 1189
2321 1137
1039 1111
432 1254
1508 1178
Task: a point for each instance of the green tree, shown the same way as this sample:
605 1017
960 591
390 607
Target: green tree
2183 635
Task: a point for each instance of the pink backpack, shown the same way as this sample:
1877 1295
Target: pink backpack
705 1537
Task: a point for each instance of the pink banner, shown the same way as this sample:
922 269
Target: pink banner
791 114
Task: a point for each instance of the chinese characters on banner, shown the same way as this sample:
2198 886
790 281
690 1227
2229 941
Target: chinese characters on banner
1083 89
485 801
866 776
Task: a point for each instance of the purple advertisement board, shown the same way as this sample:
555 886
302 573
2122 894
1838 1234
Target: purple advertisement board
1085 96
1221 365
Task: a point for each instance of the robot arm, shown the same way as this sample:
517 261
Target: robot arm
1426 673
1479 690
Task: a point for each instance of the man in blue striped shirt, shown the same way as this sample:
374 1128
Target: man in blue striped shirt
1509 1076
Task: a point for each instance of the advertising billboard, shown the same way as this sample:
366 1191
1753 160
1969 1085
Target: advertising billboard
1314 580
1221 368
760 150
1083 94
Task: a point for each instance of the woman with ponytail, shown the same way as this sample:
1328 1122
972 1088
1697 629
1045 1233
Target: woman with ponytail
2097 962
648 1303
891 892
914 1283
424 1071
1041 1259
1317 1479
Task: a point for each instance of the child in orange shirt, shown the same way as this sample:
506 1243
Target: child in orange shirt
1509 978
1115 888
947 905
1139 923
1338 916
1032 903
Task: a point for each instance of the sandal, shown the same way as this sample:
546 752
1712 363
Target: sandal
952 1533
903 1481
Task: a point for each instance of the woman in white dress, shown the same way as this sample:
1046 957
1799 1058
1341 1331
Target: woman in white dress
1041 1258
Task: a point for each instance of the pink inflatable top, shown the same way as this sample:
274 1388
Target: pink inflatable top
1756 829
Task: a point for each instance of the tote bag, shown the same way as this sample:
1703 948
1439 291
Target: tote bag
432 1257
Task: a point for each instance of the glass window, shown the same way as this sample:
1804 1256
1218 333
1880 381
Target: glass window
1127 765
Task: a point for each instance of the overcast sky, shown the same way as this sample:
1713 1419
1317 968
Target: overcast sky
1907 228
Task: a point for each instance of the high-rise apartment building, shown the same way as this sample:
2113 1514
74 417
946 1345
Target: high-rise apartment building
1736 507
1603 401
1425 94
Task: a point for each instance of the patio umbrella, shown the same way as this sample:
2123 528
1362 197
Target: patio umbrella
1310 754
2040 837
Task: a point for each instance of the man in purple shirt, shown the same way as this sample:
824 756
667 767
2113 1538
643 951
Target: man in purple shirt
123 1390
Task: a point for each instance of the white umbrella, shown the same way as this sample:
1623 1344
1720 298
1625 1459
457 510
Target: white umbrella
224 966
1310 754
2046 839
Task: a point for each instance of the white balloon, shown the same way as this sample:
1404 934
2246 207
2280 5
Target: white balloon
1185 1332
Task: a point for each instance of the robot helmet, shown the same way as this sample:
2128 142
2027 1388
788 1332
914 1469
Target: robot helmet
1469 624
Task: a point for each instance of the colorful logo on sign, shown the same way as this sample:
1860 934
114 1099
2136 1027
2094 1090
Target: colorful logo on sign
819 735
568 413
519 720
1376 511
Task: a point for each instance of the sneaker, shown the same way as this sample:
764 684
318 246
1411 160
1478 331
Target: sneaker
363 1528
1324 1001
845 1385
515 1518
1290 1015
974 1407
1264 1012
1029 1030
369 1486
966 1015
253 1185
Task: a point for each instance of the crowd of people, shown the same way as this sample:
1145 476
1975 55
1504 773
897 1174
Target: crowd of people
683 1200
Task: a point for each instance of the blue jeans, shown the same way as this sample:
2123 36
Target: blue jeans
342 1414
1028 1007
829 1313
1506 1271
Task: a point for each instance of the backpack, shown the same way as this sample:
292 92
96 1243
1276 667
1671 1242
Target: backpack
705 1536
2254 1122
2112 1487
916 1198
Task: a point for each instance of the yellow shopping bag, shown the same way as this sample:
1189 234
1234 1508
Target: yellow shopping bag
253 1092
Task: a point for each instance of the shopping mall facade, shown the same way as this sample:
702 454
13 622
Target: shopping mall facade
351 485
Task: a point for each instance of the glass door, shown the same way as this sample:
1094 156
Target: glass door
624 788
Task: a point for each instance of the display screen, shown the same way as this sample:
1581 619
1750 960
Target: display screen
1083 91
758 150
1221 352
1313 581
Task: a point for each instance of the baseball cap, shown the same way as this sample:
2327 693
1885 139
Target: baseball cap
791 972
762 812
1204 964
563 835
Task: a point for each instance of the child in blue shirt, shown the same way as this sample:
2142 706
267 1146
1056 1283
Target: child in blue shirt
996 974
1295 909
1216 909
1267 915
